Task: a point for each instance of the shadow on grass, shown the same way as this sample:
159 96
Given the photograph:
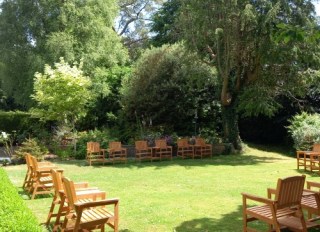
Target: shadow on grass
226 160
231 160
229 222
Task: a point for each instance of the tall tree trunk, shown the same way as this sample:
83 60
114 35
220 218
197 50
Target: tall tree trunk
230 125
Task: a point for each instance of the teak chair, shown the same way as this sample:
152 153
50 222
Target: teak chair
27 183
88 215
162 150
95 153
284 211
60 200
311 200
304 157
202 149
117 152
143 151
41 180
185 150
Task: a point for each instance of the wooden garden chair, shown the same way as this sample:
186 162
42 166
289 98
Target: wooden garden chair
202 149
27 183
83 216
282 211
95 153
185 150
41 180
311 200
304 157
143 151
117 152
59 205
162 150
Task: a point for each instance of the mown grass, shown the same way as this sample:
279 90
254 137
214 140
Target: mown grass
179 195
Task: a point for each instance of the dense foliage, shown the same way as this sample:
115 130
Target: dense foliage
14 213
169 87
305 130
40 32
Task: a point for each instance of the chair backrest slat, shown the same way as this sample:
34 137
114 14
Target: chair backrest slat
316 147
289 191
141 145
115 145
70 191
162 143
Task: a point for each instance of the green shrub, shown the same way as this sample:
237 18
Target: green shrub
103 137
14 214
33 147
305 130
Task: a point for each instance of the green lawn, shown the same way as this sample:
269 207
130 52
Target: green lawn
179 195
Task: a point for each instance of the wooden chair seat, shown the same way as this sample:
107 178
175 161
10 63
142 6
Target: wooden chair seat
265 212
98 216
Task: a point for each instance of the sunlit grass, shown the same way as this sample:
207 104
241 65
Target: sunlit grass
179 195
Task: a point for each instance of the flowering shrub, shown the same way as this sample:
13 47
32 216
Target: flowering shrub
305 130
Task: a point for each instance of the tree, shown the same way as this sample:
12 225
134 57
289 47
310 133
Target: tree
62 93
164 24
34 33
167 88
260 50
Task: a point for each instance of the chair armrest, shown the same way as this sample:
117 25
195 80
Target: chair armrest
307 192
311 184
271 191
83 205
257 198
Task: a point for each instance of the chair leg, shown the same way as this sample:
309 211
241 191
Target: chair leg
50 215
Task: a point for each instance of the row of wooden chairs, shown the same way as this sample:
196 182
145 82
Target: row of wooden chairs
97 154
162 151
284 206
83 207
309 160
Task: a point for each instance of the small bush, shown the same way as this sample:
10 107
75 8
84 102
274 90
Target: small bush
14 214
31 146
305 130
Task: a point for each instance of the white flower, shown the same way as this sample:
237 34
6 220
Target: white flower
4 135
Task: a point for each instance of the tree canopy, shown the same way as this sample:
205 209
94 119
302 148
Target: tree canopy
255 64
167 87
62 93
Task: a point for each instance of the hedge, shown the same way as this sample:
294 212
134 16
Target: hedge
14 213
